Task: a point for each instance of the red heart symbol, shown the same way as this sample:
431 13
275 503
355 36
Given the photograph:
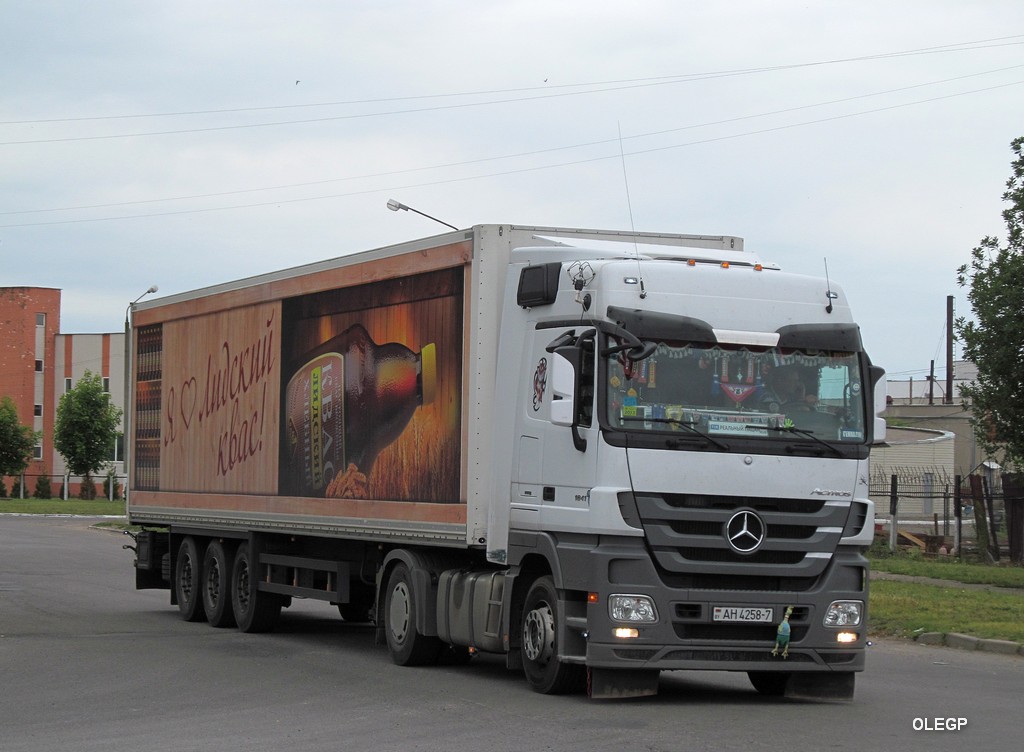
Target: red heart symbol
189 393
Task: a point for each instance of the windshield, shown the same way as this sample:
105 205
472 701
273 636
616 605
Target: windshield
729 391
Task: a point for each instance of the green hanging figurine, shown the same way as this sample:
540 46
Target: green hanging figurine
782 635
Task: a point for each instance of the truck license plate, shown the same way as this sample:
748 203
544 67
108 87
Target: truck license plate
743 613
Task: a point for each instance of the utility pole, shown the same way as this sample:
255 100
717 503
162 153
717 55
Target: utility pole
947 398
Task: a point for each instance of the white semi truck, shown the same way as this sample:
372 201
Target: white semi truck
601 454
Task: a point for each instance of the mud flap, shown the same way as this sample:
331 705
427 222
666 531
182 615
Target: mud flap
614 684
836 687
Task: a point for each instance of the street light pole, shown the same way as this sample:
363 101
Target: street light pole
396 206
128 386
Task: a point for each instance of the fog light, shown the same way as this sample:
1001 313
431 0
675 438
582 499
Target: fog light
626 632
632 608
844 614
846 637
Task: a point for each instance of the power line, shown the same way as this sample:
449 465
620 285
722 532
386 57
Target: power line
517 155
956 47
517 171
606 87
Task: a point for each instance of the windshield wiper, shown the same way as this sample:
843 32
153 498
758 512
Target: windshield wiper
688 425
809 434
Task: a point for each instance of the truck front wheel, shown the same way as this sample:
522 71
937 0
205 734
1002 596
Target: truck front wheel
405 643
188 581
545 673
255 610
769 683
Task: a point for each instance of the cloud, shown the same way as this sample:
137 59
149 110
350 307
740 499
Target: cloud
762 147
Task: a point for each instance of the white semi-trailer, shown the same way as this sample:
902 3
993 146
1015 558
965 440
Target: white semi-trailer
602 454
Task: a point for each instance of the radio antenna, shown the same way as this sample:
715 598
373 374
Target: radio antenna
828 289
629 205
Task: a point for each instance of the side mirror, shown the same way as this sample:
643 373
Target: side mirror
879 391
563 388
566 367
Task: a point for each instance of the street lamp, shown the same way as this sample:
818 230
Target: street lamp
128 387
396 205
152 289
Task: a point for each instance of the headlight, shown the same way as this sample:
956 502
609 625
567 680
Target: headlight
632 608
844 614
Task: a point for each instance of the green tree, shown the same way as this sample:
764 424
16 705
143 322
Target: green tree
994 340
86 427
16 440
43 489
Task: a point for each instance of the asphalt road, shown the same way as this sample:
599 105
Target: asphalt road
88 663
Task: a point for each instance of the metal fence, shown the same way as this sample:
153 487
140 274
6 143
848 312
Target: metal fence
25 486
926 506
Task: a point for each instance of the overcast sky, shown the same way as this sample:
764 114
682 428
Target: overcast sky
186 144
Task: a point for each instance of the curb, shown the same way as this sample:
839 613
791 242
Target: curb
967 642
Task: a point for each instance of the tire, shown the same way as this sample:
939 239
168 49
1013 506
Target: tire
254 610
188 581
544 671
405 643
216 589
360 605
355 613
769 683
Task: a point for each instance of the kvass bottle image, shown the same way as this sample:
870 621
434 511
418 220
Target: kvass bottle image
347 400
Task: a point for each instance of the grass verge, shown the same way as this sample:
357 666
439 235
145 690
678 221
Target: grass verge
978 574
906 609
96 507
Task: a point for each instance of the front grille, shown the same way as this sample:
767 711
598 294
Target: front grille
635 654
693 553
689 540
734 656
735 632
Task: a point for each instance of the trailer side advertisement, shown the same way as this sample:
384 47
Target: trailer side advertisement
345 402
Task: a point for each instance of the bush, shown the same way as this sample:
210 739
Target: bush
16 490
111 479
43 490
88 488
3 489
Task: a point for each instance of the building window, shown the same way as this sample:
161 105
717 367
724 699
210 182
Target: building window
39 366
40 319
38 411
118 454
37 452
67 385
106 384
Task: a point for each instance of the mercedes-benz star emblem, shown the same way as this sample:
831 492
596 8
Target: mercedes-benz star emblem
745 531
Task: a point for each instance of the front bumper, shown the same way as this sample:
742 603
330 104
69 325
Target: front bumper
686 636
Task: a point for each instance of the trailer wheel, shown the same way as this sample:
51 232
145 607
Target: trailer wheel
545 673
405 643
255 610
769 683
217 586
187 581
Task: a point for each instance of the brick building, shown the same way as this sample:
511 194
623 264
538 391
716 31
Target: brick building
38 364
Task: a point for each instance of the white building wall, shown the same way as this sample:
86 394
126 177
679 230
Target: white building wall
924 463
